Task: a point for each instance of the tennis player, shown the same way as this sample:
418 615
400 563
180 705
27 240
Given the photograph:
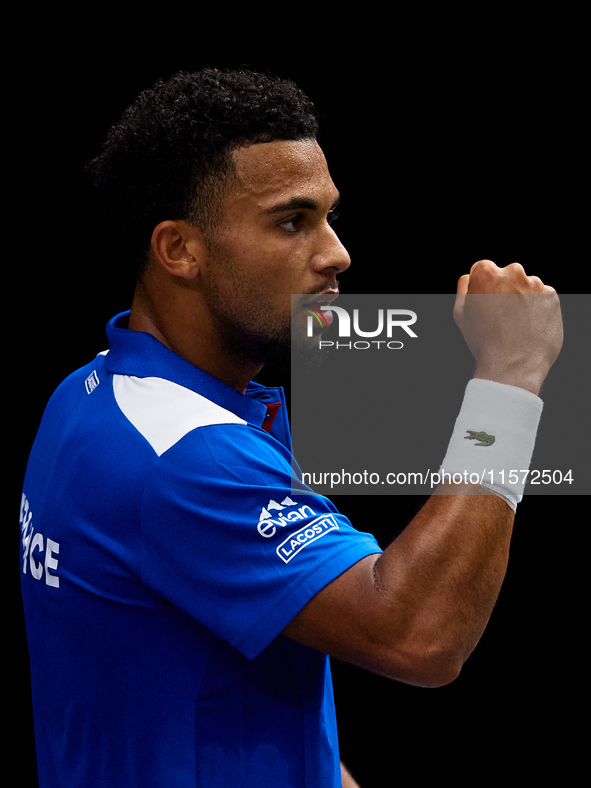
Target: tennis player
182 599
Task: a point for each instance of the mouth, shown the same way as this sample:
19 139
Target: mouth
315 303
329 295
316 300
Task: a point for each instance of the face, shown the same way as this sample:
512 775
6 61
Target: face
275 239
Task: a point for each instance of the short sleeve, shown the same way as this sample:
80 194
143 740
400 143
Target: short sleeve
226 539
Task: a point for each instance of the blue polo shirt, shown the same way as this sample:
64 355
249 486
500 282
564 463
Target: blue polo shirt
164 550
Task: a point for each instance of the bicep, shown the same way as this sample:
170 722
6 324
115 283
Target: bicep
344 619
415 612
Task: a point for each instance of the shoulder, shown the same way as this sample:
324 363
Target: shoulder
165 412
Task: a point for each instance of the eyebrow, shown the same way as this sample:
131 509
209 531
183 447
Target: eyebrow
299 203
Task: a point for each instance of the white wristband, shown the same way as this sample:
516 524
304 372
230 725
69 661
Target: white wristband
493 439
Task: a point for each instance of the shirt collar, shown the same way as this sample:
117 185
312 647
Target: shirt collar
140 354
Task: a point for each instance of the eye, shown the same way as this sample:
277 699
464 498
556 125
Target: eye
332 216
294 224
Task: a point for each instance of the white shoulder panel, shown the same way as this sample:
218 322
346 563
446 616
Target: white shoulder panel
163 412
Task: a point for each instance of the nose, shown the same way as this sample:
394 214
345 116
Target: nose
332 253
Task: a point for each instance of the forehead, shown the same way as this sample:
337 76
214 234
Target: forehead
275 171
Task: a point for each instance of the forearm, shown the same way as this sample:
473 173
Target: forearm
441 577
416 612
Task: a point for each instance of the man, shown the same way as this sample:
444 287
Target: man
171 644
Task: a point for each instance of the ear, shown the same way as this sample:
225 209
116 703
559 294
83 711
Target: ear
179 248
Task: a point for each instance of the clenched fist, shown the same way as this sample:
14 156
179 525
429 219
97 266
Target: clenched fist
511 322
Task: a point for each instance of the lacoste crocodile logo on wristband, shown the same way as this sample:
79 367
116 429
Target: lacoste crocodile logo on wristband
484 438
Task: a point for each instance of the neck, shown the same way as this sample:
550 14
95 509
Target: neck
190 335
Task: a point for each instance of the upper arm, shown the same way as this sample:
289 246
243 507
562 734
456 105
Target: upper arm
335 620
352 619
415 612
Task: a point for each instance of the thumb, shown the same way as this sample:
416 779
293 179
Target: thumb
462 289
463 283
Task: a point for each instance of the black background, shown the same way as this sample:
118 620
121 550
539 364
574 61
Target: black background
451 139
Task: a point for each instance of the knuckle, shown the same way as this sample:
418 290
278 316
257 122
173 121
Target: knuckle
537 284
483 265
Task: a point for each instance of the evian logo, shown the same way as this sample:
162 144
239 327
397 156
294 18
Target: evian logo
268 523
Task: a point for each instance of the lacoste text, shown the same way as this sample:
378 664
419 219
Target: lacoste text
305 536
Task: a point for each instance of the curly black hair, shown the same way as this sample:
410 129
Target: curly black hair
169 156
